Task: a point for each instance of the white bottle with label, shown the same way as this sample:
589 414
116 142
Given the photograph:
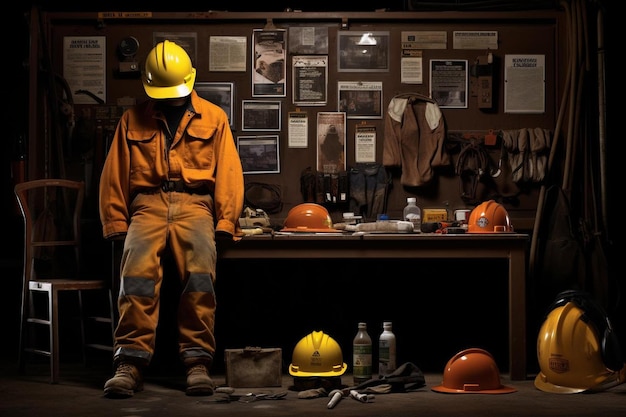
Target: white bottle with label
412 213
386 350
362 355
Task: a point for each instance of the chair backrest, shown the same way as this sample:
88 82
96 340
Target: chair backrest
51 209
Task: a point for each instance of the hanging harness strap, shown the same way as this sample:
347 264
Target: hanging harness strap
471 167
266 197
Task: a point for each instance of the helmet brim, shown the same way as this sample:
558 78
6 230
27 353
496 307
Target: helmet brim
607 381
502 390
177 91
305 374
309 230
543 385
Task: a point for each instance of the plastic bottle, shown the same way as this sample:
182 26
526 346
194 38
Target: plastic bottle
383 218
386 350
412 213
362 355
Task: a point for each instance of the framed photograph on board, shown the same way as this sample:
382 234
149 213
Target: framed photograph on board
259 154
331 142
359 51
260 115
221 94
360 100
268 61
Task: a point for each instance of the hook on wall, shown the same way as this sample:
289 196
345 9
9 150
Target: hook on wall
269 25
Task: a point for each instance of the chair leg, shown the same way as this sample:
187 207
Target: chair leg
53 305
28 343
27 303
81 319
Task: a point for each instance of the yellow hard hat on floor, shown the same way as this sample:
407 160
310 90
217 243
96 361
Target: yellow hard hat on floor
317 354
577 349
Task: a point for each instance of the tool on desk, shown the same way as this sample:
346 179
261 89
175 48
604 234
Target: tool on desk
384 226
443 227
254 218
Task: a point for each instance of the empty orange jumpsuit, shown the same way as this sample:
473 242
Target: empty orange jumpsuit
179 196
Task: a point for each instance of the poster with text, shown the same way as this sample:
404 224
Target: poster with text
331 142
448 82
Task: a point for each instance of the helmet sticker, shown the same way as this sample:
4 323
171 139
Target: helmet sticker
483 222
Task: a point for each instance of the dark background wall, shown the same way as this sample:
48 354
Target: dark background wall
468 320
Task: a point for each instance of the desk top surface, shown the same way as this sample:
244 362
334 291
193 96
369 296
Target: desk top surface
388 236
376 245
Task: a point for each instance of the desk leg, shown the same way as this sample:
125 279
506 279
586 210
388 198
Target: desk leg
517 314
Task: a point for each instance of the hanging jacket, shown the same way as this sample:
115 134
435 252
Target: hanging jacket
369 188
414 138
202 154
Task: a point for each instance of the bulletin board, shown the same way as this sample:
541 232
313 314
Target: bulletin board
351 63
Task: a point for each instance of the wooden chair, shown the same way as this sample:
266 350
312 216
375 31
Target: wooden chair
51 210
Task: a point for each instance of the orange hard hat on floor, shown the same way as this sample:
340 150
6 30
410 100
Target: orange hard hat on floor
472 371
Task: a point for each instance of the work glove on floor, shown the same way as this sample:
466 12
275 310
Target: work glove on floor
406 377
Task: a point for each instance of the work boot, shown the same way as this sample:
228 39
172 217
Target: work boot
126 381
198 380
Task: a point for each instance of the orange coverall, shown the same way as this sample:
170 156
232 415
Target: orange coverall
134 204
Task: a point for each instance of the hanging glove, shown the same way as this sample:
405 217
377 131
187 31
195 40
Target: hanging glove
539 149
519 173
509 140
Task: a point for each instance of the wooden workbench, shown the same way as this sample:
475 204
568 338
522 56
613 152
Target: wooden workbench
509 246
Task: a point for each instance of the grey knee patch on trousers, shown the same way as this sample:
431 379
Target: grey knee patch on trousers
140 287
199 283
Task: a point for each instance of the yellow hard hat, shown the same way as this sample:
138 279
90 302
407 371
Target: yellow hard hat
571 350
168 72
317 354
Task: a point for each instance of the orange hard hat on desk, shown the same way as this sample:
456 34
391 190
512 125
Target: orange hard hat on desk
489 217
308 218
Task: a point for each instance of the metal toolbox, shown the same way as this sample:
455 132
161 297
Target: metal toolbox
253 367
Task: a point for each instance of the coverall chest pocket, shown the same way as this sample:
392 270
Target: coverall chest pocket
198 152
143 146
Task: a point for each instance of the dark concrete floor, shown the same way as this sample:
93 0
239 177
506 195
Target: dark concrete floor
80 391
80 394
